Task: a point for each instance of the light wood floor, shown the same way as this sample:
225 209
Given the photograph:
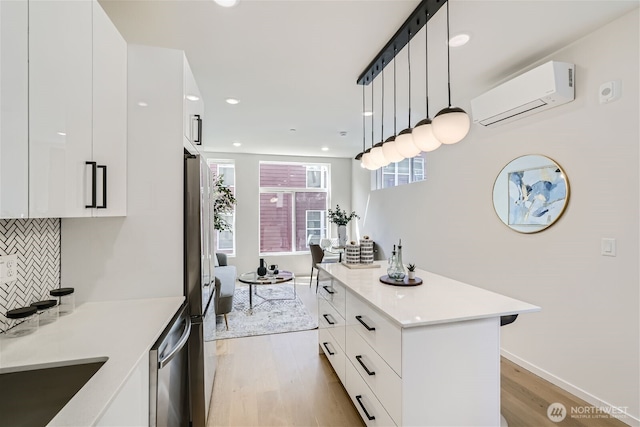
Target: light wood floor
281 380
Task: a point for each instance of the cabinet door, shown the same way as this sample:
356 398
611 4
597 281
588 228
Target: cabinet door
193 107
109 114
14 125
60 107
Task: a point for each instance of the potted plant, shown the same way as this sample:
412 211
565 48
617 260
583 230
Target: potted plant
341 219
411 271
223 203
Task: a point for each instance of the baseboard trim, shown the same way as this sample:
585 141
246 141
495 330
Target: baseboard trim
576 391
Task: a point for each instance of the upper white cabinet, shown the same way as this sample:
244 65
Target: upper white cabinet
193 108
77 111
14 143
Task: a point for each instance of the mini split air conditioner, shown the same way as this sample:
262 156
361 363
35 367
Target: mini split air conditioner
544 87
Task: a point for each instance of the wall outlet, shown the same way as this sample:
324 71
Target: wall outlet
8 268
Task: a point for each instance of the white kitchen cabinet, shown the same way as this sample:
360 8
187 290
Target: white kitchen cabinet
77 111
130 407
14 113
193 108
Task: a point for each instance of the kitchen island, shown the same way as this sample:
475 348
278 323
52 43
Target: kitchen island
122 332
426 355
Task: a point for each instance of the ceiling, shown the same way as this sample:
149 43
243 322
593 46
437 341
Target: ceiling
293 64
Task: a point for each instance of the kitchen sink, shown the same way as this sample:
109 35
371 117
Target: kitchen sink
34 395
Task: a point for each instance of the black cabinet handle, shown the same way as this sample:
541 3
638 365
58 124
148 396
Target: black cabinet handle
359 359
198 138
331 353
326 288
369 328
326 317
369 417
104 187
94 167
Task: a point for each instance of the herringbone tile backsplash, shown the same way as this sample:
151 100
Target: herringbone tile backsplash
37 244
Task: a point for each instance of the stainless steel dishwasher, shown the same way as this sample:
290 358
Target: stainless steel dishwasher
169 374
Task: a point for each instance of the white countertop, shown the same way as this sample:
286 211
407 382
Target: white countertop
123 331
438 299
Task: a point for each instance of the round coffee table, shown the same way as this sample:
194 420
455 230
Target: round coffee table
252 279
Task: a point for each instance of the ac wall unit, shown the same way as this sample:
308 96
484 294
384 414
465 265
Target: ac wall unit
544 87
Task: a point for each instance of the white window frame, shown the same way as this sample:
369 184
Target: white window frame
229 164
317 168
323 223
293 191
380 174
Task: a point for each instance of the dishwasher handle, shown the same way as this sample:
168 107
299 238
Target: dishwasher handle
181 343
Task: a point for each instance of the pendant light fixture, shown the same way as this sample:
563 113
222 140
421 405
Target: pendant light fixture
423 135
360 154
451 124
376 152
369 161
404 141
389 147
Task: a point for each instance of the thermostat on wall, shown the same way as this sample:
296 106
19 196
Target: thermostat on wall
609 91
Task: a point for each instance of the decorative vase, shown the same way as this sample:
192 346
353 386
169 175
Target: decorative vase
262 270
411 275
352 253
342 236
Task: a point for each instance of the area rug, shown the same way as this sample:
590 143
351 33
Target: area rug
268 317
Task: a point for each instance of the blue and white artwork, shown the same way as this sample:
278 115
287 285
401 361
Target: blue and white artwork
536 196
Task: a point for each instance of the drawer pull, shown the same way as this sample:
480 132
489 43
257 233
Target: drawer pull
369 328
359 359
331 353
326 317
326 288
369 417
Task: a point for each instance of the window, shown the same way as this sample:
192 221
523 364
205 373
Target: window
225 240
293 206
403 172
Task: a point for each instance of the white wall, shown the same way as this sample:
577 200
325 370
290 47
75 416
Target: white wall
140 255
586 338
247 209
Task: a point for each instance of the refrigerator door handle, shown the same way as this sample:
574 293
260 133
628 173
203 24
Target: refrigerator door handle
164 360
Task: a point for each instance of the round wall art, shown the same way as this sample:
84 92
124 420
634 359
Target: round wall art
530 193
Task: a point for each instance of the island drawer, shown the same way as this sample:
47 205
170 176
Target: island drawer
378 375
334 353
369 407
334 292
377 330
330 319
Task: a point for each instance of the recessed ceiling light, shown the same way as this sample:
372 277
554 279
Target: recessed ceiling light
62 133
237 144
142 104
325 148
292 130
193 98
232 101
459 40
226 3
368 113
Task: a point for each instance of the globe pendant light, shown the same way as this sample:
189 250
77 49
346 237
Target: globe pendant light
451 124
423 135
368 159
404 140
376 152
360 154
389 147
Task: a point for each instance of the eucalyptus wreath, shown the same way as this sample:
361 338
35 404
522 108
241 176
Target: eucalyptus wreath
340 217
223 203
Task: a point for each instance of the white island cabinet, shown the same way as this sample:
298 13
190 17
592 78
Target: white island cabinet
77 111
426 355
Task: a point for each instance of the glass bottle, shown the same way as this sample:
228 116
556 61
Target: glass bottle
395 270
400 264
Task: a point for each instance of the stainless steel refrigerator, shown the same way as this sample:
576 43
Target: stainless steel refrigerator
199 284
